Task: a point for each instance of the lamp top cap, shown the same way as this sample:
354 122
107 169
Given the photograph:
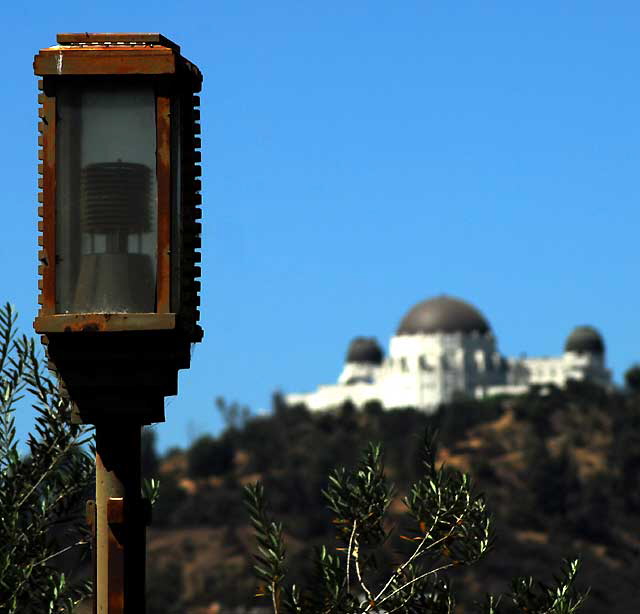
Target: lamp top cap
105 38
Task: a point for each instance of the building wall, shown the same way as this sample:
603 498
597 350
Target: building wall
559 369
425 371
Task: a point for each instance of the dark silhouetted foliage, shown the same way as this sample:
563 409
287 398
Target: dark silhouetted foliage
209 456
632 378
148 453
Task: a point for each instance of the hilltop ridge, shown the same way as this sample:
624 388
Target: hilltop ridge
559 468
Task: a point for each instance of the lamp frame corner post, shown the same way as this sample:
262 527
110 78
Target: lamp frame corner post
119 236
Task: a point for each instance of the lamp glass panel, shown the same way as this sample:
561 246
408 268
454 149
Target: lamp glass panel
106 197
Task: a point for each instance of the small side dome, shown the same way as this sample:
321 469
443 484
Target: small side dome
583 340
365 350
443 314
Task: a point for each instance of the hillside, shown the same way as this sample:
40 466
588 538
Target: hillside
559 468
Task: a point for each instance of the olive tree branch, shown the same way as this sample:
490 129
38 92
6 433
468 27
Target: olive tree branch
413 581
356 557
350 552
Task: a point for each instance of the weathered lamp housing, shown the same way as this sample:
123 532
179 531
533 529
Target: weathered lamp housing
120 210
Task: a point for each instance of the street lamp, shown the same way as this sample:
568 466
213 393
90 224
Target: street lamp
119 260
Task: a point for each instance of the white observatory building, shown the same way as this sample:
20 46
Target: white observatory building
444 347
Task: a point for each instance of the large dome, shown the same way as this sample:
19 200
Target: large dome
584 339
443 314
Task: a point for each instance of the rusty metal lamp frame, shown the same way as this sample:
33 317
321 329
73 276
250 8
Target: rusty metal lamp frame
118 367
175 319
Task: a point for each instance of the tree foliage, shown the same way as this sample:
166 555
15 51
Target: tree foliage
449 527
41 491
632 378
209 456
234 416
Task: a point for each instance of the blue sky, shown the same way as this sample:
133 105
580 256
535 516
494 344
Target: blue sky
361 156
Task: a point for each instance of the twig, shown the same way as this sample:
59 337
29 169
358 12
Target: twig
46 472
420 577
400 606
349 552
55 554
356 556
398 572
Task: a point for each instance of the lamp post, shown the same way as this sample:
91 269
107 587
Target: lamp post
119 261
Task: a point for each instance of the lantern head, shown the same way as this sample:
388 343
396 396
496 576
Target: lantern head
120 216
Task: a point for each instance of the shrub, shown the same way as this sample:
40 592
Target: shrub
40 490
632 378
450 527
209 456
